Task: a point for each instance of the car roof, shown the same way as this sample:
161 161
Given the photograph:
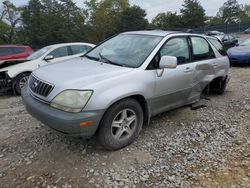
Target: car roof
13 45
211 37
160 33
72 43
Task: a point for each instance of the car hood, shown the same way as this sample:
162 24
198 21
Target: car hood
239 50
5 64
78 73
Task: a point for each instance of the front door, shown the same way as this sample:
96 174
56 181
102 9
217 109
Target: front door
172 87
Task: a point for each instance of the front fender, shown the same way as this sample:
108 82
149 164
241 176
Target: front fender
109 92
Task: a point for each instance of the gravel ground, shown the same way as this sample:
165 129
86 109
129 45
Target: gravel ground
209 147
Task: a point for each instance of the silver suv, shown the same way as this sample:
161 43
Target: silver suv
120 84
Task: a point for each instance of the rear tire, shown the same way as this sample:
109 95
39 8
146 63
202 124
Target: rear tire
20 81
222 88
218 86
121 124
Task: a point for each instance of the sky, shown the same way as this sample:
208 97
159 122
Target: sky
153 7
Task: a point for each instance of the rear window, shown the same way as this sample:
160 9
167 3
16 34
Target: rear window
18 50
201 49
78 49
218 46
4 51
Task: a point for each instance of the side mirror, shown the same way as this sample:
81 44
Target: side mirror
168 62
48 57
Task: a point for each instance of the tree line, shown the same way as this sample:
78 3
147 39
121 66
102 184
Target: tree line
44 22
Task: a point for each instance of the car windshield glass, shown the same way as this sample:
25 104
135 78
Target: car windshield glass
125 50
245 43
38 53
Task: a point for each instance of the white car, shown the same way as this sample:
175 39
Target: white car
15 73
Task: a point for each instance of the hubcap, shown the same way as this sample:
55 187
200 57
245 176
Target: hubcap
124 124
23 81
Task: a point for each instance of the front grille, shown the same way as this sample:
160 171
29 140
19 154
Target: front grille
40 87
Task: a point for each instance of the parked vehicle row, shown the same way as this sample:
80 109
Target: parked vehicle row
229 41
14 74
238 53
241 54
119 85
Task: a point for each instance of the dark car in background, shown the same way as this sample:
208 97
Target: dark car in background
8 52
229 41
213 33
247 31
240 55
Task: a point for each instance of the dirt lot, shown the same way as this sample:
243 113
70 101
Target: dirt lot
209 147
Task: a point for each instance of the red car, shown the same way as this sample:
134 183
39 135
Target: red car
8 52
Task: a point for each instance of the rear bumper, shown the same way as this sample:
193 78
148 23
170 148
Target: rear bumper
64 122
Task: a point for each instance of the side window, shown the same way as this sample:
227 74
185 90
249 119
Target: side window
218 46
18 50
78 49
88 48
201 49
177 47
59 52
4 51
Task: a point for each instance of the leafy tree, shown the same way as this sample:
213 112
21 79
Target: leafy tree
193 14
4 32
230 11
103 17
167 21
10 18
214 20
48 22
245 14
133 18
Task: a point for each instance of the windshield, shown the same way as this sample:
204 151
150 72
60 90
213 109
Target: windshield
38 53
245 43
125 50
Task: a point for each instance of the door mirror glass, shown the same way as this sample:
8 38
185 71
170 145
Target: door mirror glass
49 57
169 62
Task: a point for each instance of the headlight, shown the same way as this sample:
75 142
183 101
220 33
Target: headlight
71 100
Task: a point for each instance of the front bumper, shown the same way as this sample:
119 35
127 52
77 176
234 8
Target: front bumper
64 122
241 60
5 82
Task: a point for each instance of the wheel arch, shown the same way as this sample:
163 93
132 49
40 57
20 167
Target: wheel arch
14 80
215 84
142 102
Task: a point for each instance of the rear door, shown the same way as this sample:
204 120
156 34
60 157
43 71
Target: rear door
19 53
205 66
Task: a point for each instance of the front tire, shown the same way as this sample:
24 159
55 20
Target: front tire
121 124
20 81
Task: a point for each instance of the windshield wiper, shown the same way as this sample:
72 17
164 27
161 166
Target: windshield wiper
106 60
91 57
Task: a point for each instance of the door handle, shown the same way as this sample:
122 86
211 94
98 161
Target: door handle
188 69
215 64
